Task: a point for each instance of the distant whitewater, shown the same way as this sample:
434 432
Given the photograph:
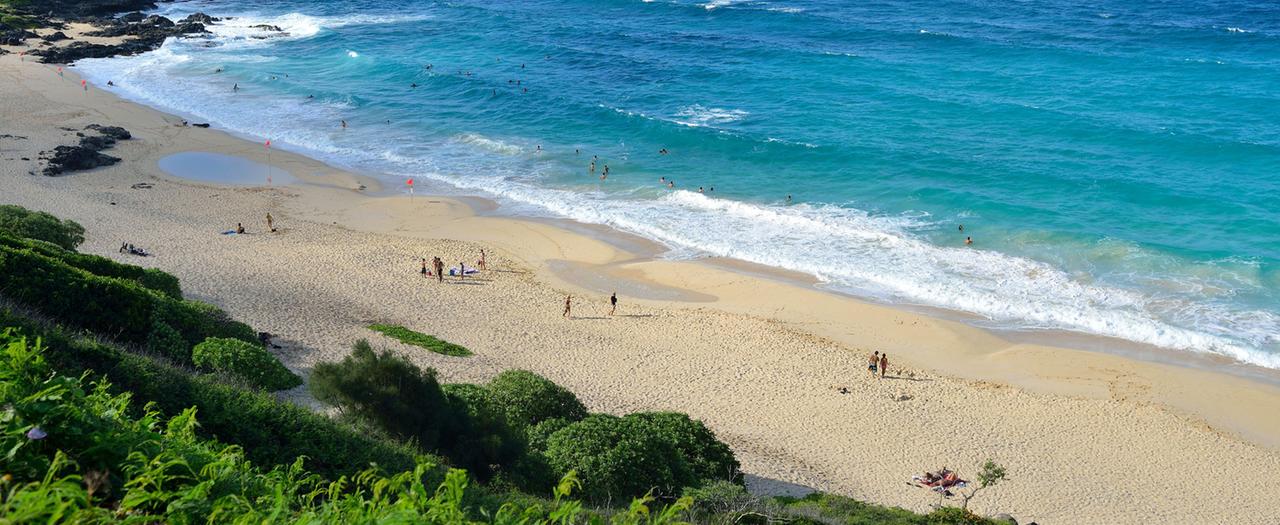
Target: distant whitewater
1116 165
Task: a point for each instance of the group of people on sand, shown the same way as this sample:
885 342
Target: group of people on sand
568 305
437 268
878 363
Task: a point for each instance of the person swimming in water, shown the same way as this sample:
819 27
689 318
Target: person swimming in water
344 124
235 87
968 240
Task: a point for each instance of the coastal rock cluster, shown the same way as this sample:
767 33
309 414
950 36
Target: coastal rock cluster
141 32
147 33
88 153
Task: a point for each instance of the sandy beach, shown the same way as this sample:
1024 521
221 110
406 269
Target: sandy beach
1087 437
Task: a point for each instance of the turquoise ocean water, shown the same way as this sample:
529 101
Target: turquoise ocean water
1117 163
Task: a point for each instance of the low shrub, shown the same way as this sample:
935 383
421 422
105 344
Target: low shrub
23 223
529 398
248 361
618 459
147 277
708 457
430 342
109 306
386 390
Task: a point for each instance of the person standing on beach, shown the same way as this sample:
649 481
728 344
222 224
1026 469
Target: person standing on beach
462 270
568 305
481 262
439 264
613 303
873 363
884 365
270 223
424 268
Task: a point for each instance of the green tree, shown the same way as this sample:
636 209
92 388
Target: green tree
387 391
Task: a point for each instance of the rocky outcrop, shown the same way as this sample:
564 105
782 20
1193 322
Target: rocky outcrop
15 37
115 132
55 37
88 153
200 18
148 33
268 27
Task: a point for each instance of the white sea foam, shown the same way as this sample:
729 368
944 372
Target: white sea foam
701 116
489 144
1237 30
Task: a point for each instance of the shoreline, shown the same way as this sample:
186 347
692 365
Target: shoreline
832 331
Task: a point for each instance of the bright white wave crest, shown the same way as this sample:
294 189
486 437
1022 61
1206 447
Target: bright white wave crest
698 116
847 248
486 143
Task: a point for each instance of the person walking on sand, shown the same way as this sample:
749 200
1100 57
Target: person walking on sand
884 365
270 223
481 263
873 363
425 273
613 303
462 270
568 305
439 264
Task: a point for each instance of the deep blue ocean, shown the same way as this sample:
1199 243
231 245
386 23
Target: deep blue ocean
1117 163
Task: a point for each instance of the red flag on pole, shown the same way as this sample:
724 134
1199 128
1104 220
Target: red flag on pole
268 143
409 182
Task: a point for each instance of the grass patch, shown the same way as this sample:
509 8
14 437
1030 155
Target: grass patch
410 337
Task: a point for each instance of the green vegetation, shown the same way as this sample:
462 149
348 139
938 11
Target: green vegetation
410 337
105 304
107 419
248 361
529 399
270 432
23 223
146 277
76 455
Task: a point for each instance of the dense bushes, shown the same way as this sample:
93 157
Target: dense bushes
616 457
707 457
75 455
479 438
391 393
147 277
23 223
271 432
387 391
110 306
529 399
248 361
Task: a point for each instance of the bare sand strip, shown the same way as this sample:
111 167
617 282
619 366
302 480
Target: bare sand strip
1086 437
